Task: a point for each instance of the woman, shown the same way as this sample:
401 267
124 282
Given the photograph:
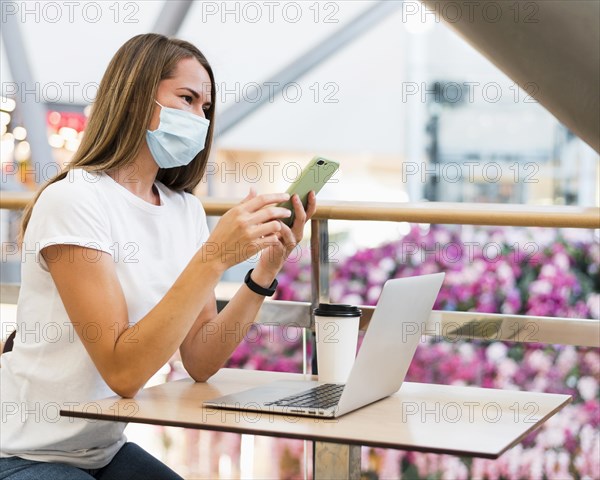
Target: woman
119 267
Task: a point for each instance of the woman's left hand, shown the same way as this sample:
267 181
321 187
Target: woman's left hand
274 256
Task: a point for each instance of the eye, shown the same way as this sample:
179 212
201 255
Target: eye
188 99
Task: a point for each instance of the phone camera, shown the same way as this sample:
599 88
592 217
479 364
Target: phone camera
320 162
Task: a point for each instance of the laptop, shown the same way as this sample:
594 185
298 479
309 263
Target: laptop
379 369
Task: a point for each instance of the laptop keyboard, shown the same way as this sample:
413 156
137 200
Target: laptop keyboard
322 396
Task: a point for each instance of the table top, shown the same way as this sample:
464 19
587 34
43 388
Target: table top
465 421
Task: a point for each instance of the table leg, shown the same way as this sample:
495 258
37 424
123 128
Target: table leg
336 461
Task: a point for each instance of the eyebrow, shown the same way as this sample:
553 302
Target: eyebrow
193 92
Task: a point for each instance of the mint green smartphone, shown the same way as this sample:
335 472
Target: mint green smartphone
313 177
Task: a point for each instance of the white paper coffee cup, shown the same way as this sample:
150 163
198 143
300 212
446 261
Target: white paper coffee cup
336 329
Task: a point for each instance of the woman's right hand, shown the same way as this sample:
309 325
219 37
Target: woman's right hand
246 229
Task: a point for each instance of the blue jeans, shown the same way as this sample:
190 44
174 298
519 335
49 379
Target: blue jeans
130 463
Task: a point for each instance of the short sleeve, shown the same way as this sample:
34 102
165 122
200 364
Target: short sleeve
202 231
68 213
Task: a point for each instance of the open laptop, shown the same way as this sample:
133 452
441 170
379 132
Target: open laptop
387 349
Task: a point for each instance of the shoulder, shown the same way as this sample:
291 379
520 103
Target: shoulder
77 192
78 186
195 202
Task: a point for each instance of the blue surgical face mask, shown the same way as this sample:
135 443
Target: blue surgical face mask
180 136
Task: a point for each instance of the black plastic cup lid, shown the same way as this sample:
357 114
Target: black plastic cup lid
337 310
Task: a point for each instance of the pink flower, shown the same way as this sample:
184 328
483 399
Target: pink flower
540 287
591 361
539 361
496 352
588 388
557 465
593 303
567 359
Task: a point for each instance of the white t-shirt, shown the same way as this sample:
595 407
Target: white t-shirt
49 368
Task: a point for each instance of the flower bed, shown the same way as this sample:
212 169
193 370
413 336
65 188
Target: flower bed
514 271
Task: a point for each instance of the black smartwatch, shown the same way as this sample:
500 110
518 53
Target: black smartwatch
267 292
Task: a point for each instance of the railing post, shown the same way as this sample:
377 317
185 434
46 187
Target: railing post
319 262
330 460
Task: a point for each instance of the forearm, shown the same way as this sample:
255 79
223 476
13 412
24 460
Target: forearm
141 350
214 343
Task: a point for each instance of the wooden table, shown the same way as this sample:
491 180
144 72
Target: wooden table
465 421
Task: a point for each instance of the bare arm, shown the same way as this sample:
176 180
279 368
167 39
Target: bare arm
127 357
213 337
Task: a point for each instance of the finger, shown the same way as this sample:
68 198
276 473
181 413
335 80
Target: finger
266 229
300 214
288 237
261 243
311 206
266 242
251 195
260 201
269 213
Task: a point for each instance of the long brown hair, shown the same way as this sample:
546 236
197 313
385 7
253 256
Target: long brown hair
122 111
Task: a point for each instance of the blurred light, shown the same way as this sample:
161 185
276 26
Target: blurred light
404 228
7 104
20 133
247 456
4 118
2 129
8 137
7 147
72 145
424 228
87 110
225 467
22 151
54 118
56 141
68 133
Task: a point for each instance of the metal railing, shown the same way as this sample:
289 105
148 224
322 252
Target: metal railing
447 325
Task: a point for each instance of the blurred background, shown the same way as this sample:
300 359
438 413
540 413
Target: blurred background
409 109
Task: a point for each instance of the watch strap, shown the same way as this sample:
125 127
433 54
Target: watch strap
256 288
